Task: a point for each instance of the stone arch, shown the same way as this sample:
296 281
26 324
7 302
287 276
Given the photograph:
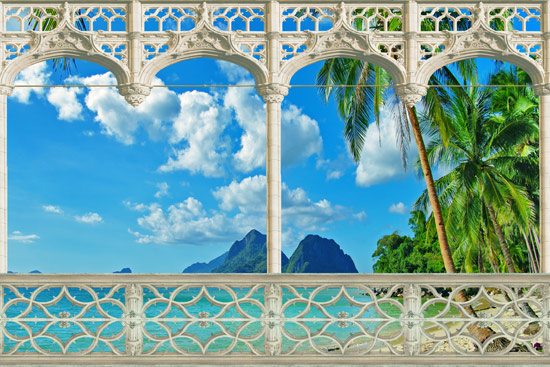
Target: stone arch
396 71
153 67
10 72
530 66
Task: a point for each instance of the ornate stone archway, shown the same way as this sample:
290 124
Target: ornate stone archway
411 39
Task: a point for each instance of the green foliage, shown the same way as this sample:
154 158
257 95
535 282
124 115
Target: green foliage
402 254
490 194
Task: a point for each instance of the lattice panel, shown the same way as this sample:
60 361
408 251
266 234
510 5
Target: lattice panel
115 49
531 49
102 18
289 50
256 50
169 18
454 19
332 320
63 320
383 19
516 18
429 50
152 50
314 19
30 18
450 319
14 50
197 320
394 50
245 19
322 317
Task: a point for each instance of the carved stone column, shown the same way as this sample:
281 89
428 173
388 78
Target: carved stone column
273 95
544 161
135 92
410 322
5 91
273 319
133 319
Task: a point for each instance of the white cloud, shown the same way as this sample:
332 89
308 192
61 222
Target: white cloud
250 115
52 209
334 168
162 188
122 121
36 74
301 137
186 222
381 157
334 175
89 218
241 208
360 216
17 236
200 125
398 208
233 72
65 100
193 122
247 195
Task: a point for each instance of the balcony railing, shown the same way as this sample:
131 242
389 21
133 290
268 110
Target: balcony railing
275 318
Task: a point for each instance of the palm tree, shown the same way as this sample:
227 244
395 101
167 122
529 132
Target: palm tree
520 102
360 105
481 154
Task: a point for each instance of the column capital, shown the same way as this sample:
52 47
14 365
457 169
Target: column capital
542 89
273 92
134 93
411 93
6 90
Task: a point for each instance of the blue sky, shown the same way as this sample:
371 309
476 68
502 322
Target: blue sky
96 185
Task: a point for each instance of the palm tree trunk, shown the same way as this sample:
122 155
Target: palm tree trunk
446 253
502 242
480 267
481 333
532 263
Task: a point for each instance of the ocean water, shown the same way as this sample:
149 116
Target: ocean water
194 320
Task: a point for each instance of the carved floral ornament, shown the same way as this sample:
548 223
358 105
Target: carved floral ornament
273 92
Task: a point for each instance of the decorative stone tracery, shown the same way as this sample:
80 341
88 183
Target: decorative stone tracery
411 39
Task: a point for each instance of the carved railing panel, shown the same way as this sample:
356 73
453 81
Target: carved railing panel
267 316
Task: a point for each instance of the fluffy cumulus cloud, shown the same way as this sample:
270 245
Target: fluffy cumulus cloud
89 218
301 136
65 100
37 74
381 157
186 222
52 209
249 113
122 121
233 72
17 236
241 207
200 127
247 195
398 208
194 123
